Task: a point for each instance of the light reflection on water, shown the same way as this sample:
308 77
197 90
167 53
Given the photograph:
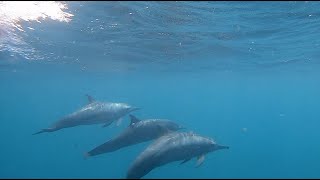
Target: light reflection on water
14 13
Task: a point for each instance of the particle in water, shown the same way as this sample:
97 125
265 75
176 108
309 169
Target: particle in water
244 130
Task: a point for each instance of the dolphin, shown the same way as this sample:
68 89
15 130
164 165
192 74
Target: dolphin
175 146
137 132
94 112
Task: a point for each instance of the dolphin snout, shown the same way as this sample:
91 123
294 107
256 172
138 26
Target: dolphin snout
223 147
134 109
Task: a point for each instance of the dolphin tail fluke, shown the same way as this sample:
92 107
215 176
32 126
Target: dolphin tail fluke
39 132
44 130
86 155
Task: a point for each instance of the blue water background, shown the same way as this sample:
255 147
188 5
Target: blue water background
214 67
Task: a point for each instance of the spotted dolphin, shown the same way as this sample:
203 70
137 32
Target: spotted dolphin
137 132
176 146
95 112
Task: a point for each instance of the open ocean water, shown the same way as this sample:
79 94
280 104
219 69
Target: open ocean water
243 73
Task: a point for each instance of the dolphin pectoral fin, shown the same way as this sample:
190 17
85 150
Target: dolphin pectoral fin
119 121
90 99
200 160
106 124
186 160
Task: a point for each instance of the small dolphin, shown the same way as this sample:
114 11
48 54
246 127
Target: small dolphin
94 112
137 132
176 146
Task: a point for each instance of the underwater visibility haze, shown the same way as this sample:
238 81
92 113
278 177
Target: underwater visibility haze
243 75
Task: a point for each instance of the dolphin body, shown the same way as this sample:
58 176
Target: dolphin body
176 146
94 112
137 132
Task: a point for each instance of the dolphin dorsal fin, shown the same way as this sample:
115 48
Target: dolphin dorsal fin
133 119
90 99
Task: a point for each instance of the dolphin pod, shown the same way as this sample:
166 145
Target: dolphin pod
169 145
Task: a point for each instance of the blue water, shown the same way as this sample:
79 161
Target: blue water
243 73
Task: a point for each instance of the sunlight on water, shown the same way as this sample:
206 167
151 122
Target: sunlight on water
12 13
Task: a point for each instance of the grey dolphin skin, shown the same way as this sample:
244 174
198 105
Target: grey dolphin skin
94 112
176 146
137 132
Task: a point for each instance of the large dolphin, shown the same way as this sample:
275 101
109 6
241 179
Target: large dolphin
94 112
176 146
137 132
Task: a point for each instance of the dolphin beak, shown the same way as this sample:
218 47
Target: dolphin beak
134 109
181 127
223 147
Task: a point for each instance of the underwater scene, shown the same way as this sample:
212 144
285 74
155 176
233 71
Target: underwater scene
159 89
